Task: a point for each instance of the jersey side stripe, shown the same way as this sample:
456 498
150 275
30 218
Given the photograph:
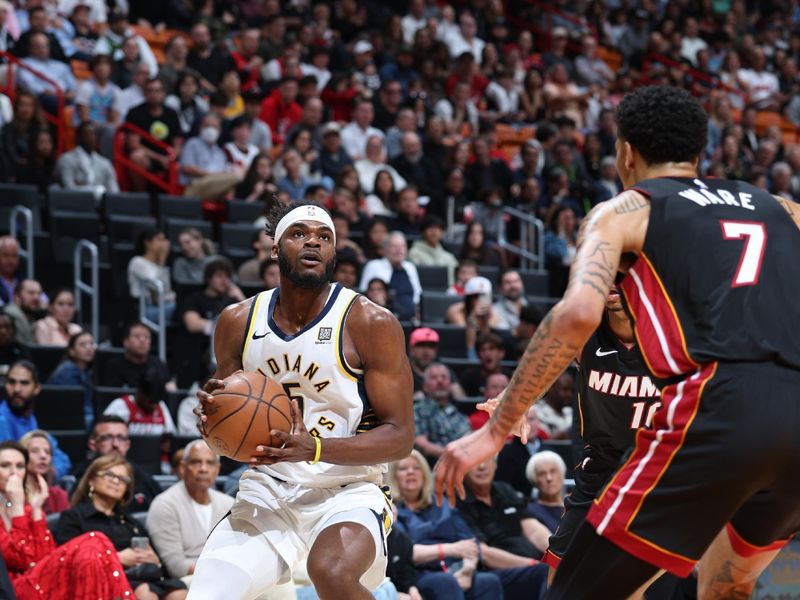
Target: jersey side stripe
339 342
248 328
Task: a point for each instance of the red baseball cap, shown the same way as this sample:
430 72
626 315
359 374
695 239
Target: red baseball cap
423 335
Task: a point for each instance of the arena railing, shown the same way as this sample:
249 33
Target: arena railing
551 17
56 120
711 82
123 165
26 250
531 233
92 288
159 327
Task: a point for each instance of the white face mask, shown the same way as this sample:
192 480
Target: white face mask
209 134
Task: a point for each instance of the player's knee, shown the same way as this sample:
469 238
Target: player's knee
331 575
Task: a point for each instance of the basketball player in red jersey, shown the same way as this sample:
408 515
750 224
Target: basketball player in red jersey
317 498
710 284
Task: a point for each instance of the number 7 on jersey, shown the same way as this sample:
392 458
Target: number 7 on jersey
755 241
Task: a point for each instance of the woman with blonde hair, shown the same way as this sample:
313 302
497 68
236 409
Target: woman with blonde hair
445 549
40 463
99 504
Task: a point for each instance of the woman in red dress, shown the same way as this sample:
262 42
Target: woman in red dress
40 462
85 568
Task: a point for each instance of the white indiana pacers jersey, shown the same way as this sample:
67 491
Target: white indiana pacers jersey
312 368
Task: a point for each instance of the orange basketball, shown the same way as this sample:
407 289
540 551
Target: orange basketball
243 413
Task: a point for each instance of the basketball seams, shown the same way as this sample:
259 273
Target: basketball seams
270 404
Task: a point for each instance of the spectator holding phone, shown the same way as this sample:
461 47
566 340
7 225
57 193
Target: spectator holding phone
99 504
476 313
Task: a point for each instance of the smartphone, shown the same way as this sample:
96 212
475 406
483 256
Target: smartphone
140 542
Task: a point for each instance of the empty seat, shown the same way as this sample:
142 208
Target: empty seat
12 194
71 201
435 305
433 278
60 407
236 239
132 204
180 207
121 255
72 442
67 228
46 359
240 211
452 340
145 452
490 272
536 284
101 358
458 365
126 228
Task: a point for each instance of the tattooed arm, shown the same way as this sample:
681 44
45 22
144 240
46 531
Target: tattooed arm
609 230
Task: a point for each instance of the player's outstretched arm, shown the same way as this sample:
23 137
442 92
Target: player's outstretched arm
609 230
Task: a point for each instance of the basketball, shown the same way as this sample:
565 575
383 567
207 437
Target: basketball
243 414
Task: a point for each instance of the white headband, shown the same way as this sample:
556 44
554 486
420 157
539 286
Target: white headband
304 213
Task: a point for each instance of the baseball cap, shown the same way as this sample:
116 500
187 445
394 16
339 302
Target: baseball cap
478 285
423 335
330 127
560 32
361 47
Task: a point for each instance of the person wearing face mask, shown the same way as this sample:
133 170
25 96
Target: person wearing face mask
205 170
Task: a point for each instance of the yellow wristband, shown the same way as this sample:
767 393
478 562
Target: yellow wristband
318 451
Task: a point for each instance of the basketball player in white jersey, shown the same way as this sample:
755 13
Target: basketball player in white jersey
318 498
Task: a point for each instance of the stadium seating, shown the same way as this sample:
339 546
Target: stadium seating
60 407
240 211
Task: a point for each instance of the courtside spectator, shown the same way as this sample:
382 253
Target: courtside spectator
128 369
115 35
148 265
16 413
546 471
10 350
429 252
181 517
25 309
145 411
63 81
84 168
76 369
57 327
398 273
109 437
280 110
40 464
437 421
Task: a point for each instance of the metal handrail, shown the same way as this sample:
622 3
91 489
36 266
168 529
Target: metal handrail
161 326
57 120
455 230
27 251
531 231
124 165
93 288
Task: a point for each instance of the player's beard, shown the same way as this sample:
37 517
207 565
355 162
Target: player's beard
308 280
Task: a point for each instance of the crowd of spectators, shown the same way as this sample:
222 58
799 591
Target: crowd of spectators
417 123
